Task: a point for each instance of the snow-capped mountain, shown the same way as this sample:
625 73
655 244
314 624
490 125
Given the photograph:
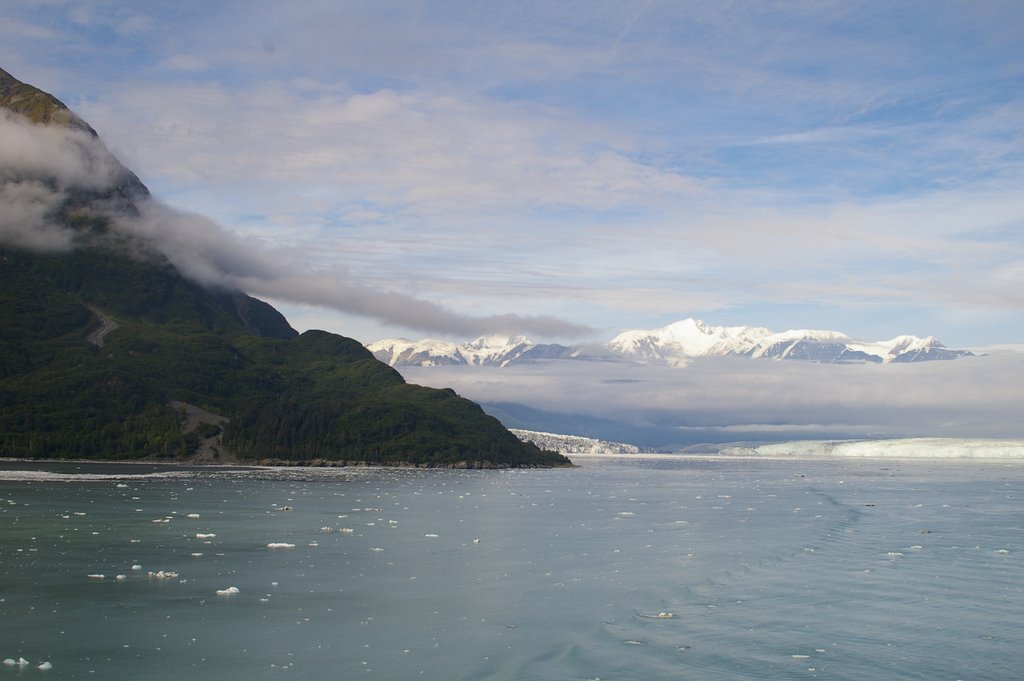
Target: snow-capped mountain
682 341
675 345
484 351
679 343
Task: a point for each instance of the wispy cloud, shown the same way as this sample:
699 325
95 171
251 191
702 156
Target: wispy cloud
41 165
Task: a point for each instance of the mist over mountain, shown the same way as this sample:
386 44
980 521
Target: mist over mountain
127 331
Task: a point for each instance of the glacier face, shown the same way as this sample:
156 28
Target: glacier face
675 345
573 444
900 448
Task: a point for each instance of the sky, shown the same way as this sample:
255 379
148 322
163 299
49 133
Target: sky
570 170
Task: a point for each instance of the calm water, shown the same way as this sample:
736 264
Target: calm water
761 569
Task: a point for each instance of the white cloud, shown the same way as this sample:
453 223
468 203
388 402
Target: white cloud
419 152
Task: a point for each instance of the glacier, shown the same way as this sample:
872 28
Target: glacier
897 448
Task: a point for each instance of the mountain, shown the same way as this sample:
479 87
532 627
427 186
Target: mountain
679 343
498 351
675 345
109 351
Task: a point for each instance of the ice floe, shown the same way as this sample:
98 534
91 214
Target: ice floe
230 591
280 545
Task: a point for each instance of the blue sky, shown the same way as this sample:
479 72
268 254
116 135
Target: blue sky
612 165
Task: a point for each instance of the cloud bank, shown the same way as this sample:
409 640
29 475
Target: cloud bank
737 399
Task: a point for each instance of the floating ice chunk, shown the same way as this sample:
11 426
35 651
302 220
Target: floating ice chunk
136 567
121 485
326 529
96 576
207 535
163 574
894 554
46 666
665 615
280 545
431 535
192 515
121 578
1003 552
476 541
230 591
801 657
346 530
376 549
10 662
197 554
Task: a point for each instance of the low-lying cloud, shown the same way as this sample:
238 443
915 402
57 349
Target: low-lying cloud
739 399
41 165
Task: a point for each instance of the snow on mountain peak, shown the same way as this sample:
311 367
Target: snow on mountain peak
497 341
680 342
675 345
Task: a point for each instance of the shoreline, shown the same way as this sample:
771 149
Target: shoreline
279 463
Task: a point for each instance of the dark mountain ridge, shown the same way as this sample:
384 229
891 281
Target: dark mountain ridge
108 352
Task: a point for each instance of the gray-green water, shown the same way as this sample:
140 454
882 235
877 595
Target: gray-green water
759 570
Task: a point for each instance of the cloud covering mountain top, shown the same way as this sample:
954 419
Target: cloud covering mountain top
49 171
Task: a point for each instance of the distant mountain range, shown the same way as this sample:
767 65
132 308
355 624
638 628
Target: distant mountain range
498 351
675 345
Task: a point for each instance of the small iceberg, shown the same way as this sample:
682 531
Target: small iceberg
46 666
96 576
280 545
230 591
201 535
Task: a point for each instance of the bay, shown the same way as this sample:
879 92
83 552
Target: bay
655 569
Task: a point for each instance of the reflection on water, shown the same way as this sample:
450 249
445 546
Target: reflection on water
705 569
